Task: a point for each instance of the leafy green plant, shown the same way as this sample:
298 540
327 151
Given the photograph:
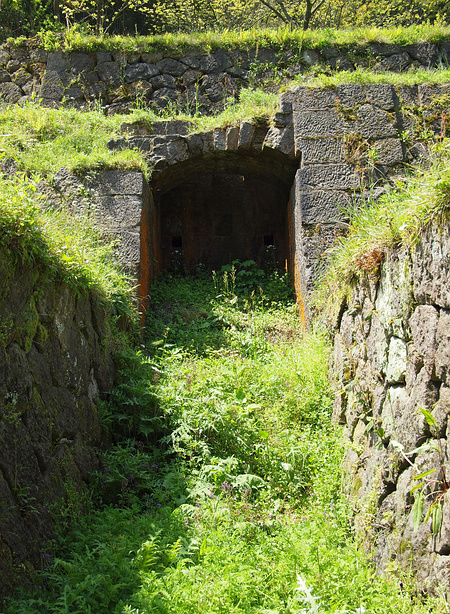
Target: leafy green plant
430 485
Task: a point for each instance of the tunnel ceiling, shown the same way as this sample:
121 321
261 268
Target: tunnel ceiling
266 163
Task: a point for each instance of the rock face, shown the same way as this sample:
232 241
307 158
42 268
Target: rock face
391 360
53 366
196 82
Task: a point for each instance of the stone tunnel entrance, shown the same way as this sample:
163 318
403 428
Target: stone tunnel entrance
225 206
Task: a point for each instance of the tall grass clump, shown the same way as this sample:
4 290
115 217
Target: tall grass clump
396 219
222 490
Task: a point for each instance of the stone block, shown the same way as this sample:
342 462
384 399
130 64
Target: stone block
57 62
246 134
384 49
441 411
398 62
425 53
215 63
117 182
152 57
408 95
109 72
373 123
306 99
4 57
192 61
340 63
118 211
431 266
96 90
321 150
171 67
389 152
10 92
232 138
219 138
172 148
396 362
328 177
191 76
21 77
52 86
351 95
281 139
382 95
442 356
140 70
163 97
423 323
4 76
321 123
430 94
393 408
80 62
103 56
161 81
323 206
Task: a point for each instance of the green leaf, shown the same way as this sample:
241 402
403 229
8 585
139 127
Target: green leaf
417 510
428 417
380 432
436 521
424 474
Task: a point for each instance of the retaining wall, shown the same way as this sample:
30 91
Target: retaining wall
191 81
391 360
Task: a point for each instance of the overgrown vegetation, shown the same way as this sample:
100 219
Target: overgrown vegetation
68 247
395 219
222 489
210 39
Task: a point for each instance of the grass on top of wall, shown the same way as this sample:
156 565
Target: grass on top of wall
43 140
285 37
67 247
396 219
418 76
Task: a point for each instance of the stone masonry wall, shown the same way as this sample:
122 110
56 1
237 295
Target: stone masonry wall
391 360
348 143
53 365
194 81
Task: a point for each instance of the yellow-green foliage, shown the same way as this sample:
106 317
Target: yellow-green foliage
226 38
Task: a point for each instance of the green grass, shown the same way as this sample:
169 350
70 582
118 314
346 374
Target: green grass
396 219
73 40
67 247
316 78
222 492
43 140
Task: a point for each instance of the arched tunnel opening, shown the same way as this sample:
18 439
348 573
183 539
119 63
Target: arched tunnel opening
222 207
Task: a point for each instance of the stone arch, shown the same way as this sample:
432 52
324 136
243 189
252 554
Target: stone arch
218 196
